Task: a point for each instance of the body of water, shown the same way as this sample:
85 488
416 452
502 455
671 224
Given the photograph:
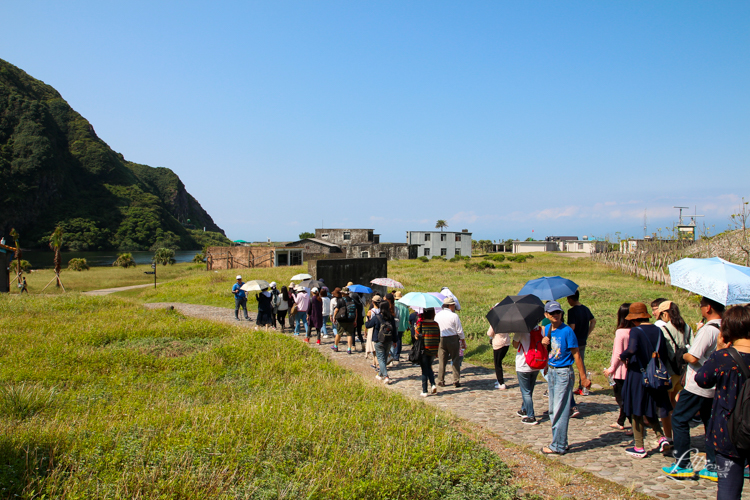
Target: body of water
40 259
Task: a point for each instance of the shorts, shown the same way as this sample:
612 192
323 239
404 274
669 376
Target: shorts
345 328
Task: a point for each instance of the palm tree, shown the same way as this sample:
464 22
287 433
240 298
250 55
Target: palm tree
440 224
17 254
55 243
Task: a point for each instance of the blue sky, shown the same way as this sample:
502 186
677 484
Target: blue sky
501 117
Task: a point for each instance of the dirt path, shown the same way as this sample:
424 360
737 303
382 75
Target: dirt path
596 450
107 291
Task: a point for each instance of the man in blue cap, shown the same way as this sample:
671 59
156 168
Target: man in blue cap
563 353
240 299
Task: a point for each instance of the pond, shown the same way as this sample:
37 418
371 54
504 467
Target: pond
41 259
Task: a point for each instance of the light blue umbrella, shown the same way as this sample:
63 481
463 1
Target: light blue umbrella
549 288
420 300
715 278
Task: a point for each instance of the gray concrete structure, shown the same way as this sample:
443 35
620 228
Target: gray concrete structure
339 272
442 243
352 244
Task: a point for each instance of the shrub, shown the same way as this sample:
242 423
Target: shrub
424 259
164 256
25 266
199 258
124 260
497 257
517 258
438 257
502 266
479 266
78 265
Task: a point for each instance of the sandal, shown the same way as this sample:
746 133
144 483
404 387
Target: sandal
549 451
617 426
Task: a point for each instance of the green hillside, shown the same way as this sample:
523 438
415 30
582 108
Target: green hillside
55 170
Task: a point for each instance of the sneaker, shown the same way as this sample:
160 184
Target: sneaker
387 380
574 413
335 348
378 377
747 472
497 384
348 351
521 412
664 445
456 384
325 336
578 392
501 387
307 340
434 391
317 341
529 421
423 394
708 474
678 472
636 452
238 319
296 334
441 384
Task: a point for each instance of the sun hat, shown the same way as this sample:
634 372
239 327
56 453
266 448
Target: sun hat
273 284
238 277
336 292
638 311
349 284
552 306
449 301
664 306
376 299
345 290
397 295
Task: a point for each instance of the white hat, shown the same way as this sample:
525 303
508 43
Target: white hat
273 284
238 277
314 290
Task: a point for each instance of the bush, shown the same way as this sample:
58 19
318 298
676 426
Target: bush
199 258
423 259
78 265
25 266
438 257
479 266
459 258
502 266
517 258
164 256
124 260
497 257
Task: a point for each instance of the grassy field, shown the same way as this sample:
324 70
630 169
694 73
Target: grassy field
100 398
602 290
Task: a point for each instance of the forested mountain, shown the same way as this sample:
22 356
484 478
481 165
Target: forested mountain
55 170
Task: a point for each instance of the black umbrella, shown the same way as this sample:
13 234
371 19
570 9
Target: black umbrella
516 314
312 284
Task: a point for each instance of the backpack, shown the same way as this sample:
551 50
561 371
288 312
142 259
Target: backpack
655 375
386 329
678 362
536 356
738 422
348 313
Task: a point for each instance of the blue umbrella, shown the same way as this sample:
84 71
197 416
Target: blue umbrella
360 289
421 300
549 288
714 278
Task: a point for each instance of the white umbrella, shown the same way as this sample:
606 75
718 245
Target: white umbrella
303 276
255 285
715 278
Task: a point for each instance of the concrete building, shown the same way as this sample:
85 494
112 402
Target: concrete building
560 244
245 257
447 244
335 243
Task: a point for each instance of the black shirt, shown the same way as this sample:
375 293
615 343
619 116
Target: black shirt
580 317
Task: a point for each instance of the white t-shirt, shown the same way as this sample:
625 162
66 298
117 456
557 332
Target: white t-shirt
525 340
703 346
659 323
326 306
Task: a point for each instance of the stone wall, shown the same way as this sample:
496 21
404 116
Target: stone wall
390 251
239 257
336 236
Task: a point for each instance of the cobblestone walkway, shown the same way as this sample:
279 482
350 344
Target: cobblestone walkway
594 446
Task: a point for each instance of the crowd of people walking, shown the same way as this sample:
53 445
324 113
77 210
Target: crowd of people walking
663 374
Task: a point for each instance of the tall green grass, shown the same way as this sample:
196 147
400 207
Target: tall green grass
103 399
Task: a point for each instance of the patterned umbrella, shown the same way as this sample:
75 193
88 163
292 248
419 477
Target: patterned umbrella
715 278
387 282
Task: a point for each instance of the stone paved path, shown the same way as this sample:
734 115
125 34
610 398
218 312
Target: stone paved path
107 291
594 446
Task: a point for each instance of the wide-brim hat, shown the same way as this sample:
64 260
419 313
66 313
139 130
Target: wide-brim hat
449 301
349 284
336 292
345 290
397 295
376 299
638 310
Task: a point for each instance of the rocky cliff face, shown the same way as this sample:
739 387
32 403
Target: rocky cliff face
54 170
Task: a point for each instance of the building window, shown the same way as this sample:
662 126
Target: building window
426 252
427 237
580 246
282 258
365 255
347 236
443 251
381 254
324 235
458 237
369 236
458 252
296 258
443 237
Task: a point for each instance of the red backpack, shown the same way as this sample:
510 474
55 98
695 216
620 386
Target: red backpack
536 356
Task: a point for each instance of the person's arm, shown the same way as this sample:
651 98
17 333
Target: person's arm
592 325
690 358
460 331
707 375
515 342
372 321
617 349
632 348
581 370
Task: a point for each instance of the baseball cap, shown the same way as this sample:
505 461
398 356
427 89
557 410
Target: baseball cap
238 277
552 306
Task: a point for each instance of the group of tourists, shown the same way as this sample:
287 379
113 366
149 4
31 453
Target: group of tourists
663 374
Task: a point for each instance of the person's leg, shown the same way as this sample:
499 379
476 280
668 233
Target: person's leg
524 383
561 385
731 477
307 325
350 340
617 388
582 353
498 356
638 431
295 318
423 364
244 307
429 359
706 406
442 360
237 307
687 404
666 424
324 331
381 352
455 347
399 346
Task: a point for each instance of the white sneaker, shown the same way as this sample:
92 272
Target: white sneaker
387 380
325 336
501 387
434 389
423 394
378 377
497 384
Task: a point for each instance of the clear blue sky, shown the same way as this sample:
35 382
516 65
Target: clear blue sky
500 117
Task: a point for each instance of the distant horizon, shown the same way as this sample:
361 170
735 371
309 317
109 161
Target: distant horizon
512 120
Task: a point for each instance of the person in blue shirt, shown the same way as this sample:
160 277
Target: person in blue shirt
563 353
240 299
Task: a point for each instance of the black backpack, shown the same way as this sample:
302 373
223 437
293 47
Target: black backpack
678 363
348 313
739 421
386 329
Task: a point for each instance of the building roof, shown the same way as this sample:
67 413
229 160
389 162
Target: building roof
314 240
7 248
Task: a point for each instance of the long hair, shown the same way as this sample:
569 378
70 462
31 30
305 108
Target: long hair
623 311
285 294
675 317
385 310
